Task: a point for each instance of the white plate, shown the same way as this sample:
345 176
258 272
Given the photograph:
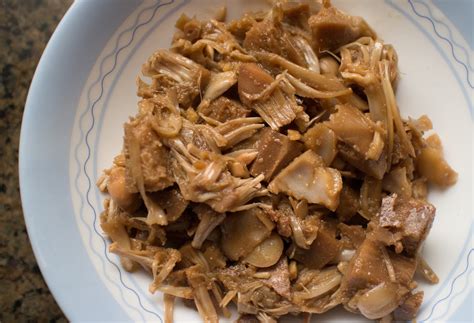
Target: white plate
84 89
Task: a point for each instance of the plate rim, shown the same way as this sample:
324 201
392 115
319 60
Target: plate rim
24 132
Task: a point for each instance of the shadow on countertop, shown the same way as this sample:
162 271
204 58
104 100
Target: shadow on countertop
25 27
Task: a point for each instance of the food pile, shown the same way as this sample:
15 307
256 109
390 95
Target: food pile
268 167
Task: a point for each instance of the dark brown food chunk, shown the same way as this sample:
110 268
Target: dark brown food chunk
332 28
275 151
172 202
404 267
154 159
407 310
348 203
252 80
322 251
352 236
365 269
374 168
409 217
269 37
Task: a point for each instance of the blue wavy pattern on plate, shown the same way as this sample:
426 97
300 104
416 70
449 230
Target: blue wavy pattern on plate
451 278
91 108
449 40
114 53
451 289
450 34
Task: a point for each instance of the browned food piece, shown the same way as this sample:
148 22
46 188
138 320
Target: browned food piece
252 142
322 140
296 14
329 66
356 130
409 308
352 236
279 278
370 197
307 178
154 157
374 168
116 186
404 268
322 251
275 151
365 269
252 81
223 109
269 36
214 256
432 165
235 277
411 218
242 232
171 201
348 203
282 220
332 28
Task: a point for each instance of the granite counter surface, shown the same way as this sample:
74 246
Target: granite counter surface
25 27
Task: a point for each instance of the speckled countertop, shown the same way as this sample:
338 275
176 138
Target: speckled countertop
25 27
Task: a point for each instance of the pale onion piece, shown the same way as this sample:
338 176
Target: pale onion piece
345 255
297 232
307 91
431 164
267 253
328 66
323 141
117 188
309 55
376 147
379 301
321 289
307 178
293 270
218 84
242 232
397 182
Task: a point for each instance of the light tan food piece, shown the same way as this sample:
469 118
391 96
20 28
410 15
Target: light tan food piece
275 151
307 178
